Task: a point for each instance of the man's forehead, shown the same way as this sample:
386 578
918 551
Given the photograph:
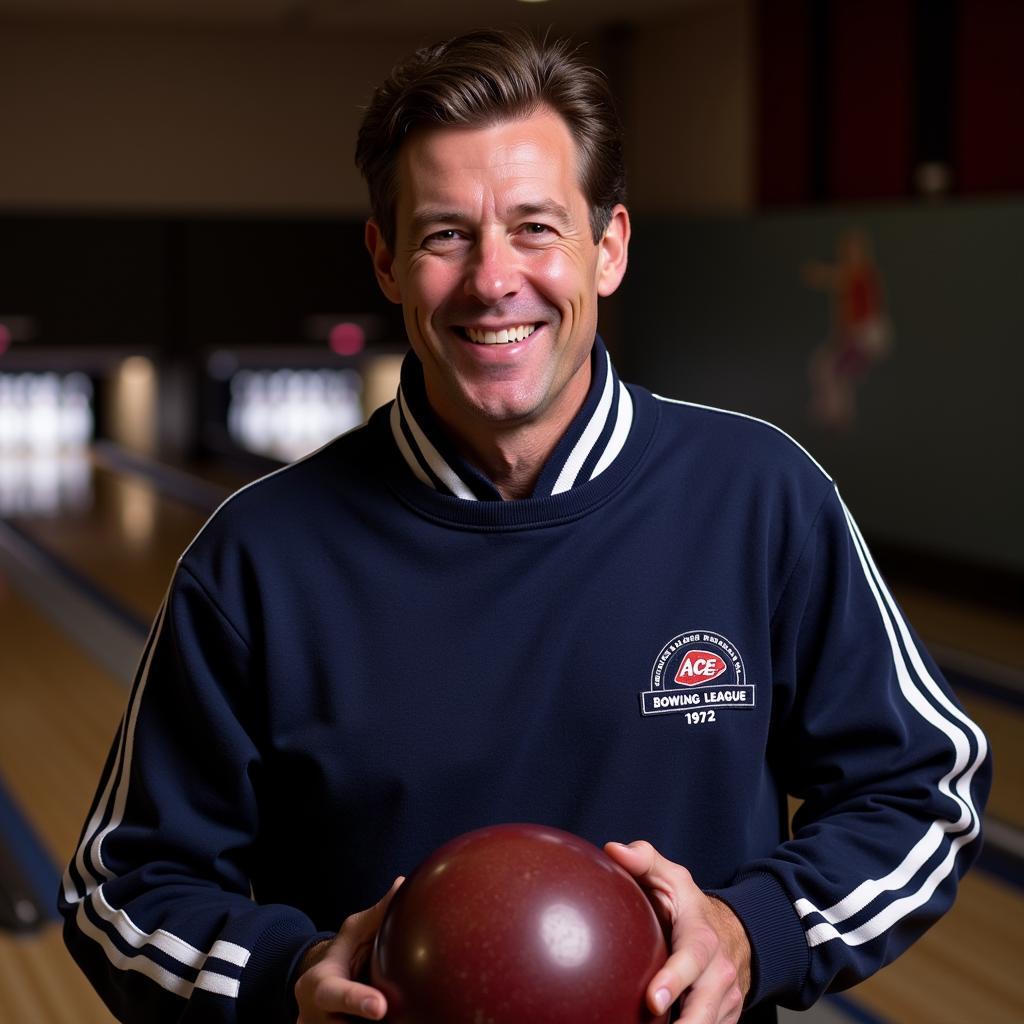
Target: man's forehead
532 156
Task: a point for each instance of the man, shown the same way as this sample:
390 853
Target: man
524 591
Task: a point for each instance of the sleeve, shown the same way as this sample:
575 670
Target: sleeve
157 899
891 772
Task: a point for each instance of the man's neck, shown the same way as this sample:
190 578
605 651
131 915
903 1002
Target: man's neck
513 455
512 460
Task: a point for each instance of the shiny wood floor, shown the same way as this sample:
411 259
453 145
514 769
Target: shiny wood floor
59 710
126 540
58 714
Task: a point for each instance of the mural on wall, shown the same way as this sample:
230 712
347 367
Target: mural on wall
859 336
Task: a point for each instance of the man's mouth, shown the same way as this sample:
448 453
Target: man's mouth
504 336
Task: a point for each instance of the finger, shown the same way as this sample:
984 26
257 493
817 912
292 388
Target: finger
328 989
714 997
686 968
338 995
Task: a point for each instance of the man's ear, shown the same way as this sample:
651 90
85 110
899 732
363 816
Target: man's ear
613 254
383 261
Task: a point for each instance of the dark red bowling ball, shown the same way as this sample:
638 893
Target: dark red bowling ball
518 924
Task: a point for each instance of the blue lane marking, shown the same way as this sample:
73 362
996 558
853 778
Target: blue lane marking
29 856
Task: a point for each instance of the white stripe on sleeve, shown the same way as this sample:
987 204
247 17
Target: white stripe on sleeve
913 688
119 920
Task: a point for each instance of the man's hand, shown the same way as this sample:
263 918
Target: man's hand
709 962
326 987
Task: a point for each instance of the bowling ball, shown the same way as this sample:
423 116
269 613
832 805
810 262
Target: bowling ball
518 924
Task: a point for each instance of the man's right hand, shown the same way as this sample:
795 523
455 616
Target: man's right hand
326 985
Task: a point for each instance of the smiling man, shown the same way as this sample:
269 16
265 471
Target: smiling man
524 591
494 261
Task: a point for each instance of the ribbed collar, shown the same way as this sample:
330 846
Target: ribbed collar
595 438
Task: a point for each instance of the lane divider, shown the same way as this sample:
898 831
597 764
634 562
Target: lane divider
168 480
28 877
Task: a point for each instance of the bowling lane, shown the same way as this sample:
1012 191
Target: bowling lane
39 984
126 539
58 713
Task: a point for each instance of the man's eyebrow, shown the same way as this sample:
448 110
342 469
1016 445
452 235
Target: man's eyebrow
423 219
547 209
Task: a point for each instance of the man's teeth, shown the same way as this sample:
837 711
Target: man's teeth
502 337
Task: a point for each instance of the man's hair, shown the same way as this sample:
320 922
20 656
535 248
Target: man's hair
484 78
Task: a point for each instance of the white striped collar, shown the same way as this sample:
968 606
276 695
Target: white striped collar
594 439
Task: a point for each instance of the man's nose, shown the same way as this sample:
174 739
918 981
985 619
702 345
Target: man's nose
494 272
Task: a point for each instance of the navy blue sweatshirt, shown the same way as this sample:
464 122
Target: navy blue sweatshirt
368 653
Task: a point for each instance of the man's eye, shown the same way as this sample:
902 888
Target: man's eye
536 229
441 237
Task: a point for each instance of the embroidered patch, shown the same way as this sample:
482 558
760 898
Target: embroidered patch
697 673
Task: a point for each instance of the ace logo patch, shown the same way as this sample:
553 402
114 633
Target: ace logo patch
696 674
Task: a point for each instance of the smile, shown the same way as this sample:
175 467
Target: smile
505 336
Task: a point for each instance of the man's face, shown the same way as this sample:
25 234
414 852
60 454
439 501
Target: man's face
497 271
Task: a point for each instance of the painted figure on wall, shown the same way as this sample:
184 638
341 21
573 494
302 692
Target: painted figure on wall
860 334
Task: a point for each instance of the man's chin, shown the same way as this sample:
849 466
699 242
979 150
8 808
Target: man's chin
493 408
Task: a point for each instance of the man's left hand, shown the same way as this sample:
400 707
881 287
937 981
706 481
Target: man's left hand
709 962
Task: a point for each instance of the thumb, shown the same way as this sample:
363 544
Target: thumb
355 940
639 858
665 883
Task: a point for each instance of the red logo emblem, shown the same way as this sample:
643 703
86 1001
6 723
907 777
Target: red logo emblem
699 667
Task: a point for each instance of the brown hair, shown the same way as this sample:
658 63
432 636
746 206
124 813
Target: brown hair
486 77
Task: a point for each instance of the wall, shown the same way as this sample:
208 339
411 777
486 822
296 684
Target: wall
139 119
718 314
690 110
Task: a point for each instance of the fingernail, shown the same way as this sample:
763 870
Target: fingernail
661 999
369 1006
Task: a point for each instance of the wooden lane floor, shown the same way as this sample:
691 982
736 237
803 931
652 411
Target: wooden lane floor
127 543
58 714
